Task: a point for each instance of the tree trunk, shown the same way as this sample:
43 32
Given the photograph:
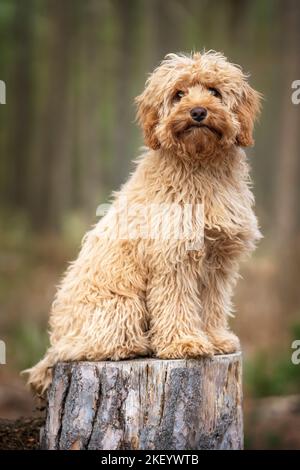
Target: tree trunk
51 171
21 107
287 194
146 404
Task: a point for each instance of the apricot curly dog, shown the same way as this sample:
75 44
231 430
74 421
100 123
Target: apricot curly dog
128 296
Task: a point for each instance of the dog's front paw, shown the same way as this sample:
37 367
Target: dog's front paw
186 347
139 347
121 353
224 342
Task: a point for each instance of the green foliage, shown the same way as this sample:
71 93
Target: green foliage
273 440
27 343
273 373
295 330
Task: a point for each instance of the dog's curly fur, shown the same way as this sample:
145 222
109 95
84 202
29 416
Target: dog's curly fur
124 298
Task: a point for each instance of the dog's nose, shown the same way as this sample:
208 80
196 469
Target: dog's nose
198 114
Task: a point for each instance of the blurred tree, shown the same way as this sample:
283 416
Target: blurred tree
51 178
125 14
88 101
287 194
21 103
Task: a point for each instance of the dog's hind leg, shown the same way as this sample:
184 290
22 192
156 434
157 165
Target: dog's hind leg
117 329
114 329
40 376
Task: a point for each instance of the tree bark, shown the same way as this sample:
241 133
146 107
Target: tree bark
146 404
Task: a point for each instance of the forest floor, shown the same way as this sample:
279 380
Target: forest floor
272 422
22 434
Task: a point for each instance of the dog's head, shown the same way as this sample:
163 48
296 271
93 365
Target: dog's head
197 104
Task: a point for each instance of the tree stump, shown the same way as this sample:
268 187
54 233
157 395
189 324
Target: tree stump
146 404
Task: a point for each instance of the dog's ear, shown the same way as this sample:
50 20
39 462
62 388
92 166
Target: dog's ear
247 111
147 116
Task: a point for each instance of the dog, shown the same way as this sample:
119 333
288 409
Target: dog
170 297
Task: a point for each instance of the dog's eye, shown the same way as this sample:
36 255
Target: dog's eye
215 92
179 94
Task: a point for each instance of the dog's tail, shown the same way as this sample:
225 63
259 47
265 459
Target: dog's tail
40 375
